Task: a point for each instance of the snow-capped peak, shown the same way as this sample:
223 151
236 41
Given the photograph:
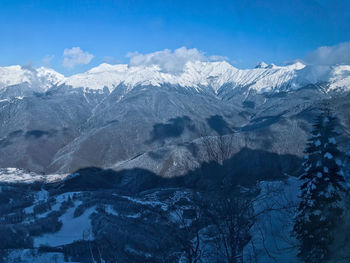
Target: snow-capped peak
199 74
41 78
104 67
261 65
49 74
13 75
195 74
340 77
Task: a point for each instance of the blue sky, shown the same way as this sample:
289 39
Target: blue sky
245 31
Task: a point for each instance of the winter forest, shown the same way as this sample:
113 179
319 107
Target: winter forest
302 218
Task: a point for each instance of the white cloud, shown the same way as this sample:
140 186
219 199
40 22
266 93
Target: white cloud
29 66
75 56
169 61
330 55
46 61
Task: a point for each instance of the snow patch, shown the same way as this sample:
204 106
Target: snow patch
15 175
73 229
328 155
317 143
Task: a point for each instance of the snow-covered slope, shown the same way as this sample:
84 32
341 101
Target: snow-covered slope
48 77
66 128
15 175
340 77
196 75
41 78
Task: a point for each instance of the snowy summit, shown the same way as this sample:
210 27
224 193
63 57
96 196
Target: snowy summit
195 74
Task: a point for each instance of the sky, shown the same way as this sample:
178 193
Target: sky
74 35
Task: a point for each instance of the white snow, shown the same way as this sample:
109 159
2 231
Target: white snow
64 197
110 210
196 75
340 77
42 195
73 229
15 175
261 65
328 155
317 212
318 163
13 75
29 209
317 143
308 168
41 78
137 215
332 140
152 203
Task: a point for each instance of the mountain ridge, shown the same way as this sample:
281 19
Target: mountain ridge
195 75
51 126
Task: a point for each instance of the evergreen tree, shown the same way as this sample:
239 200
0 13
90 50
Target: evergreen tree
347 166
322 185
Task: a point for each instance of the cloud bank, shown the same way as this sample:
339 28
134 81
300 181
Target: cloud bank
330 55
76 56
170 61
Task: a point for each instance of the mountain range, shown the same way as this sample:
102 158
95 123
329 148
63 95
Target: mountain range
196 75
122 116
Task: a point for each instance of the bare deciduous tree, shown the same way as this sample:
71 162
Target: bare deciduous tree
188 234
216 148
232 217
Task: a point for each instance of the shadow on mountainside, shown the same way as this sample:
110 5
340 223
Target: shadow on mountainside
244 168
175 127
